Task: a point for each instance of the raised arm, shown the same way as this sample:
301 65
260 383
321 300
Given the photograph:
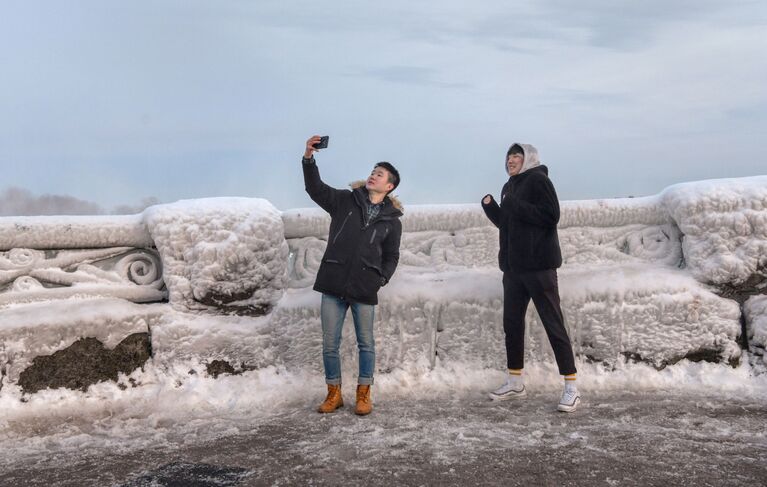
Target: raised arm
322 194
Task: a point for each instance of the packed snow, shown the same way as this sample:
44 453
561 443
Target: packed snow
724 222
73 232
171 408
228 251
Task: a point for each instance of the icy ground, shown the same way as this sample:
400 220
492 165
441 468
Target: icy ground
690 424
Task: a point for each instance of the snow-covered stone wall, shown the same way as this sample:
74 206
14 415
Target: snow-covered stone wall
628 288
231 280
226 254
37 329
725 227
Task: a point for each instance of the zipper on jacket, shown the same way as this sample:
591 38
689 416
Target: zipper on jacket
374 235
342 226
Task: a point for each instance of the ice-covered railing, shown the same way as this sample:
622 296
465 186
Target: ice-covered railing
647 278
313 222
436 236
628 287
48 258
220 254
73 232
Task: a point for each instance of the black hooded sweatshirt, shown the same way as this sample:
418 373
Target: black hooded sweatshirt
527 221
360 257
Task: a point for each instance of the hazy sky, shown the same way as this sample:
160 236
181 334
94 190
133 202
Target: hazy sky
115 102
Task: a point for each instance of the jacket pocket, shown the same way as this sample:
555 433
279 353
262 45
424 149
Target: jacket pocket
343 224
374 248
370 264
331 275
369 282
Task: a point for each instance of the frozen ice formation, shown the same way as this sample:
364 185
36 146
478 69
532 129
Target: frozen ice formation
724 222
73 232
225 254
642 279
29 275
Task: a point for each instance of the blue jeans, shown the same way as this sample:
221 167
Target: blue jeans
332 314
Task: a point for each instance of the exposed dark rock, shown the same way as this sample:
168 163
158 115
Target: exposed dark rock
590 358
703 355
226 298
86 362
756 284
744 336
711 356
222 302
218 367
635 357
753 286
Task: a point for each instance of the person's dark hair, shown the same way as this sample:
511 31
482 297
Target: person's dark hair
515 149
393 173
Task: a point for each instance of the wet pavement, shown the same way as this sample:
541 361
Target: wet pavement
648 439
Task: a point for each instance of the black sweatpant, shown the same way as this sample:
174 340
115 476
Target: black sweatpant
542 287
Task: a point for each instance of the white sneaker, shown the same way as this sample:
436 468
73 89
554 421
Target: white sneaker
508 391
569 400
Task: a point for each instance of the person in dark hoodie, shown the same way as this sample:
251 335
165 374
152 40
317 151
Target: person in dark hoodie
529 256
361 256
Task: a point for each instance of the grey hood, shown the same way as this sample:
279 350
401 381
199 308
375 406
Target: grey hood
531 157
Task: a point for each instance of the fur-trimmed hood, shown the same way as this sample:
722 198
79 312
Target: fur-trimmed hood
396 203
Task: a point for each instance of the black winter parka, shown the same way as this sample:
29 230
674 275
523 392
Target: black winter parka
359 257
527 221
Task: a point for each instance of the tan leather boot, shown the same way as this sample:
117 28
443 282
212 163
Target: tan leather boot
364 403
333 401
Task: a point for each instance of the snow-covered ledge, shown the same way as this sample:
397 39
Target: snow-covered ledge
73 232
313 222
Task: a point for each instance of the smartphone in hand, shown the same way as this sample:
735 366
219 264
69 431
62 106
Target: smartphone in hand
323 143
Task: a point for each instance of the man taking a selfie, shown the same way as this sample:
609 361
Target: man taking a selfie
361 256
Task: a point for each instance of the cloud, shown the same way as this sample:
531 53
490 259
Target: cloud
412 75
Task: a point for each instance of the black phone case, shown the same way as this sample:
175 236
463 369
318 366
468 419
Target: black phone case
323 143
